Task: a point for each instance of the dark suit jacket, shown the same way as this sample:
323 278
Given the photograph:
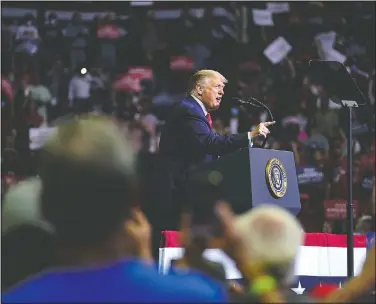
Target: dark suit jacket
186 142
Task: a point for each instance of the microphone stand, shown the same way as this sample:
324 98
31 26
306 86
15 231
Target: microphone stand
257 104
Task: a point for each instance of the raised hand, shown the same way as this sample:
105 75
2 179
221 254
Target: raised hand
139 230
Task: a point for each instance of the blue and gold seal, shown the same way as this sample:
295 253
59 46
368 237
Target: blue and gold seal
276 177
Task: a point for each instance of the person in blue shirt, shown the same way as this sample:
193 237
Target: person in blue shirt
89 196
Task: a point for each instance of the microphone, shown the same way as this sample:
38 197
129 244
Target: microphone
246 102
258 104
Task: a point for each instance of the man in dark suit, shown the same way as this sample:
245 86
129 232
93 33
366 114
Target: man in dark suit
187 140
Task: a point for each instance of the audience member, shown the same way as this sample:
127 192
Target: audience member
53 43
40 100
27 243
57 82
364 225
79 95
76 34
104 254
27 42
108 32
266 227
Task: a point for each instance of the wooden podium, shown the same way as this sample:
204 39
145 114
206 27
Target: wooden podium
245 179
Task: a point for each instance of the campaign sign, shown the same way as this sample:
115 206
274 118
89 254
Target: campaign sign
337 209
309 175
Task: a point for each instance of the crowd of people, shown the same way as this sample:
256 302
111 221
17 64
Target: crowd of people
55 69
133 71
80 227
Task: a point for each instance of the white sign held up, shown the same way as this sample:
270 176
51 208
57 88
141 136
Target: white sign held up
325 46
334 55
325 40
278 7
277 50
262 17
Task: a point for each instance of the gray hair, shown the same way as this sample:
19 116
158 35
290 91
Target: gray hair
22 206
364 224
273 236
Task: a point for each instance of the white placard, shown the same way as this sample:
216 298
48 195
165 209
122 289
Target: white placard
325 46
278 7
325 40
141 3
262 17
334 55
277 50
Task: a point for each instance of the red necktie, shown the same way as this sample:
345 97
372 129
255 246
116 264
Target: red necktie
208 117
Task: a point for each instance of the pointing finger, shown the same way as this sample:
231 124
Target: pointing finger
269 123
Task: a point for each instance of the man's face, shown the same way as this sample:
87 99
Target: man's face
211 93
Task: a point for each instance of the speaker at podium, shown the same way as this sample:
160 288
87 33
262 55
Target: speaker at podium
245 179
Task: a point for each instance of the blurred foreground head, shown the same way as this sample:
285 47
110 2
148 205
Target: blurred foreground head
88 176
272 236
27 238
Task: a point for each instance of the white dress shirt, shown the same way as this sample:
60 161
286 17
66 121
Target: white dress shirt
206 112
79 87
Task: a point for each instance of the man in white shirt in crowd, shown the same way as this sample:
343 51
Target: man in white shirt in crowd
79 92
27 41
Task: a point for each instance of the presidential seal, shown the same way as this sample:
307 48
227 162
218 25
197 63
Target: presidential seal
276 178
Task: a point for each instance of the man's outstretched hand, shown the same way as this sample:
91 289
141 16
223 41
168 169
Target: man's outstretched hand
262 129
